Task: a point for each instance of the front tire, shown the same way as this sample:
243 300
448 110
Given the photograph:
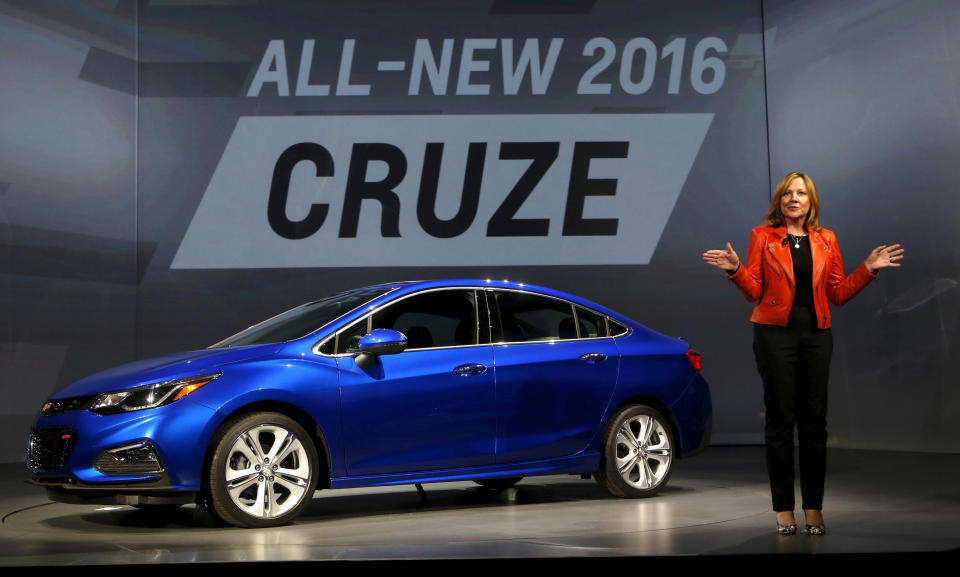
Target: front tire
637 456
263 472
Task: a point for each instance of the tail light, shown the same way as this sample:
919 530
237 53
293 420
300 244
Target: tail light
694 358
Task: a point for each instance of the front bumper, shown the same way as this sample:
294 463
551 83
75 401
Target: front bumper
156 492
179 437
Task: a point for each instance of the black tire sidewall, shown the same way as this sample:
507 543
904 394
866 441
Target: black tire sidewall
608 476
221 503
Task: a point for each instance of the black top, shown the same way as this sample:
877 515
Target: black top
802 272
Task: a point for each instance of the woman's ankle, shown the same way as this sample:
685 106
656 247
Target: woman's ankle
785 518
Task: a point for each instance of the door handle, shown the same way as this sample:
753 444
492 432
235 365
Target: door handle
470 369
593 358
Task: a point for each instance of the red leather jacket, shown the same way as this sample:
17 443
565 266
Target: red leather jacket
767 276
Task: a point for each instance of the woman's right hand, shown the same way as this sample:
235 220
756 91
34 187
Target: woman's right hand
722 259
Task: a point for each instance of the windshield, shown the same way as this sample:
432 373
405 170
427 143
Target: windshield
301 321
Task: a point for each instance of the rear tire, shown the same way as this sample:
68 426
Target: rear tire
263 472
637 454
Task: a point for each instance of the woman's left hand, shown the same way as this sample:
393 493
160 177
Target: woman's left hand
883 256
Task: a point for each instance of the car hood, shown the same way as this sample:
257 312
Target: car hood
164 368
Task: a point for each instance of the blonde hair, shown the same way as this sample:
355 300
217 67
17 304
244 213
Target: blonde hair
775 216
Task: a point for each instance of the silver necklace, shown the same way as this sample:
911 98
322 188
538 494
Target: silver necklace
796 239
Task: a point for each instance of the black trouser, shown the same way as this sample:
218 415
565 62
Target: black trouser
794 364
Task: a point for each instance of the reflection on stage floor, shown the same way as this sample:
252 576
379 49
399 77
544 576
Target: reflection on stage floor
716 503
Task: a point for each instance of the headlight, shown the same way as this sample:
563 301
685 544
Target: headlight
148 396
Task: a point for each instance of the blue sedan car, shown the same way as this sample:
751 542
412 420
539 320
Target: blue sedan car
407 382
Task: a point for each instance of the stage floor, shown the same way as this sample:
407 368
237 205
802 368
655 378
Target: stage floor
716 503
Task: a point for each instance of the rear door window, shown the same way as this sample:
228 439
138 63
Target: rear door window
526 317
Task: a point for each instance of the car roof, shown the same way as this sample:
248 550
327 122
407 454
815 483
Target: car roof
400 288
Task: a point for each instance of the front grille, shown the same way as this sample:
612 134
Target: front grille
50 448
57 406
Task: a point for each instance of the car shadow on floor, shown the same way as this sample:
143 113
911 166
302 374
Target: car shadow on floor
339 505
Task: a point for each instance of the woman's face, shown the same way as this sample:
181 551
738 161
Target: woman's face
795 204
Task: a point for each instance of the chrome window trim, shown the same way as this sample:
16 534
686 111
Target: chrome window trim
369 317
573 314
344 355
573 309
550 342
576 321
481 292
476 314
607 318
626 333
367 320
476 289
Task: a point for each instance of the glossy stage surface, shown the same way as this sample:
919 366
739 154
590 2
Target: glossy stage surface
716 503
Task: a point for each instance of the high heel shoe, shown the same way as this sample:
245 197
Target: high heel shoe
789 529
815 530
817 527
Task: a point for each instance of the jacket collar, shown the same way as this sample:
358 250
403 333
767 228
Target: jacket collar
781 252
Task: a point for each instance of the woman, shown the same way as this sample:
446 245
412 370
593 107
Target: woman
793 267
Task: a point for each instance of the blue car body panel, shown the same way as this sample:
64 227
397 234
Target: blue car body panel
694 409
571 465
534 408
549 401
167 367
412 412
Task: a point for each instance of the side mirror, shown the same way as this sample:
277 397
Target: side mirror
379 342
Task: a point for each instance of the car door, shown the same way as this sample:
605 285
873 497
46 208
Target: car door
431 406
555 374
